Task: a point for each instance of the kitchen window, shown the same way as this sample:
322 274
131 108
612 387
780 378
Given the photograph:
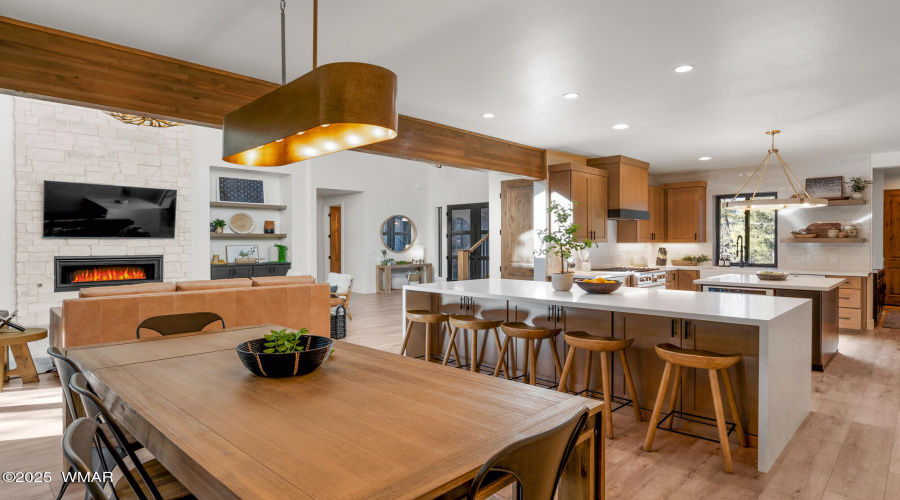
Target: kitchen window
755 230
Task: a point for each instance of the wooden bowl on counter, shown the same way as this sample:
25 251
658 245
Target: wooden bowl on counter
601 288
773 276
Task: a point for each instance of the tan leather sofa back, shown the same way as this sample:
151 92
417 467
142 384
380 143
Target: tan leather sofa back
109 319
190 286
282 280
106 291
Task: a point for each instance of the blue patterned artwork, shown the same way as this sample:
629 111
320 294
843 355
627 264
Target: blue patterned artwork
241 190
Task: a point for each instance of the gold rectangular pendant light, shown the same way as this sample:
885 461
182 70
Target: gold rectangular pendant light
332 108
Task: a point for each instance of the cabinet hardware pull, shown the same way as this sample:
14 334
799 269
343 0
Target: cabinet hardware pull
550 312
695 236
687 328
558 314
848 319
674 327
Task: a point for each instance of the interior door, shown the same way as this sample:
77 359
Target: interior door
517 230
334 237
892 246
466 225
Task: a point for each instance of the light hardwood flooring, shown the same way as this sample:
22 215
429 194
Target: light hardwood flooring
849 446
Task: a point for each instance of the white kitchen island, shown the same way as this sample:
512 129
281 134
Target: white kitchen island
773 335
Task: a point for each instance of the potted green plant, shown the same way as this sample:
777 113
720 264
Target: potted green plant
385 261
282 252
219 224
858 186
560 240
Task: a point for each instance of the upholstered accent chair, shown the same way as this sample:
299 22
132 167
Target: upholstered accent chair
341 294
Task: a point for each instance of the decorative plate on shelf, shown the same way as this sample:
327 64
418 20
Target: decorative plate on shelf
242 223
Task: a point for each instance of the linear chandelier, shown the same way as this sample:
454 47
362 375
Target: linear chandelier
796 201
332 108
146 121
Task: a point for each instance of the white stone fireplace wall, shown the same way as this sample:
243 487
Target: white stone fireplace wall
57 142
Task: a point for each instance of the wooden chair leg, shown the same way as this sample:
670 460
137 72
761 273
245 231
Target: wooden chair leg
587 372
720 419
428 342
630 384
607 393
450 345
502 354
676 391
567 369
657 407
409 327
531 362
501 360
555 352
732 402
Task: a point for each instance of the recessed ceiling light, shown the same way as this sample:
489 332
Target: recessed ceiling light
704 158
621 126
684 69
488 115
570 95
279 140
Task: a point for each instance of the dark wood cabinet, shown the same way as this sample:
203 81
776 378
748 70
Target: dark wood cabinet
586 189
652 230
231 271
686 212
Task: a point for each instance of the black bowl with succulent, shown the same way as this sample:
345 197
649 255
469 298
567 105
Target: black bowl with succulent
285 354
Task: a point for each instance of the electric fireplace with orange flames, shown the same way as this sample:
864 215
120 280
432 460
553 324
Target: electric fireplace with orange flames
74 273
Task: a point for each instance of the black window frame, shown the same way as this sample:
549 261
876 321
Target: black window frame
728 197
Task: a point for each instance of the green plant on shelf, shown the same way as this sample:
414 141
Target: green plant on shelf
385 261
858 184
282 252
699 259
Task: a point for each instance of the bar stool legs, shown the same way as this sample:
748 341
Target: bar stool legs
532 336
429 319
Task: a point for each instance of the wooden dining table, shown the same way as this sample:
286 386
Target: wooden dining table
366 425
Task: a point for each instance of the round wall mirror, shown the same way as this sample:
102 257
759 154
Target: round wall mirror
398 233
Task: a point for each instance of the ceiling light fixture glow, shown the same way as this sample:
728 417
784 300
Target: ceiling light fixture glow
800 199
704 158
684 69
621 126
570 95
325 106
488 115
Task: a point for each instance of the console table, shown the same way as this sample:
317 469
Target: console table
230 271
18 342
383 275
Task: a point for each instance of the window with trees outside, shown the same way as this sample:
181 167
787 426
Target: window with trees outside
758 230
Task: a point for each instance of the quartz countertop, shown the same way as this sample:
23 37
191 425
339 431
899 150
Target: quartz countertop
709 270
809 283
733 308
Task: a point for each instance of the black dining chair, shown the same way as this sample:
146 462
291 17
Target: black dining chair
151 472
172 324
78 444
536 462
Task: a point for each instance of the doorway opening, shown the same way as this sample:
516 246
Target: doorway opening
466 226
334 238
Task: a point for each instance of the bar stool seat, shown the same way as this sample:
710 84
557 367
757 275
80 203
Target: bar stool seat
603 345
532 336
429 319
473 324
714 362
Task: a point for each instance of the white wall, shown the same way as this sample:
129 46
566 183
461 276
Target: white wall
353 220
7 204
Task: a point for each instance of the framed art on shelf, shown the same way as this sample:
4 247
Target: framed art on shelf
235 252
235 190
830 188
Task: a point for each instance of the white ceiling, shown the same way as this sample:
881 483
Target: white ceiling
825 72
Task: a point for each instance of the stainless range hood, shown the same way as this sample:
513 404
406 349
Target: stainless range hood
628 181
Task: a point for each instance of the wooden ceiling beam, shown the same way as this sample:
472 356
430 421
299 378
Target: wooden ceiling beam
48 64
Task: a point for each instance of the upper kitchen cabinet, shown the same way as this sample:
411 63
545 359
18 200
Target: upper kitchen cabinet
586 189
646 231
628 181
686 212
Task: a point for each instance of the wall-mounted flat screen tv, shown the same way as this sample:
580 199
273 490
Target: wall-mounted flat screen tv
77 210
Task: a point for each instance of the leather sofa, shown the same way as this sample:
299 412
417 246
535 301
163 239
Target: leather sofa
111 314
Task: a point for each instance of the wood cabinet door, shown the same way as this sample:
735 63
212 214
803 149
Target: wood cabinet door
259 271
280 269
672 280
220 272
581 203
657 224
685 215
723 338
598 203
646 367
686 280
517 230
243 271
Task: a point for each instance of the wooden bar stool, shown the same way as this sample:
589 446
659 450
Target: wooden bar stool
603 345
429 319
701 360
532 335
473 324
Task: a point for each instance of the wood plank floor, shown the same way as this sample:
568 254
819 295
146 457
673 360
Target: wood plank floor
849 446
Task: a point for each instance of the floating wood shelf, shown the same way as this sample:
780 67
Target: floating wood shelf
823 240
844 203
228 204
250 236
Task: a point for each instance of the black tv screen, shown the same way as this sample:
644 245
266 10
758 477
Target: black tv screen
77 210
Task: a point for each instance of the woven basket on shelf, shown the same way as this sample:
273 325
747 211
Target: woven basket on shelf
676 262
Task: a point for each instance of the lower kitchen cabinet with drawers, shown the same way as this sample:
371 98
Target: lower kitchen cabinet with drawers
855 303
230 271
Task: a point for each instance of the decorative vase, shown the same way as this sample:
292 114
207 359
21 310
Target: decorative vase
856 195
269 227
220 230
562 282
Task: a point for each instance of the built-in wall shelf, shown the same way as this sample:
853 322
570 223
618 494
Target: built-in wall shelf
249 236
844 203
823 240
228 204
